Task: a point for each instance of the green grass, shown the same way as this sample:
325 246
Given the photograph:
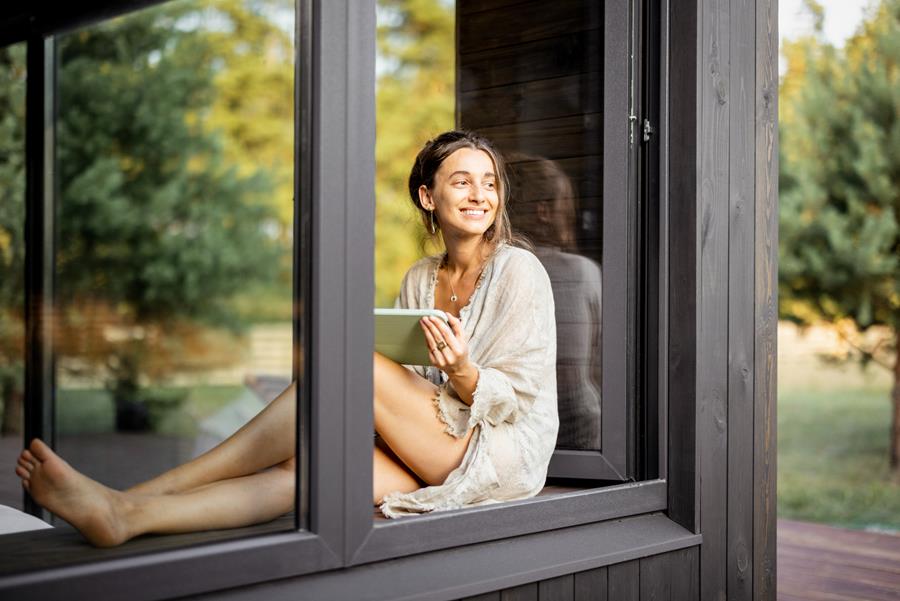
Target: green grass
92 411
833 459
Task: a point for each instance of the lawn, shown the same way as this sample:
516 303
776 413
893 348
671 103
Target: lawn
833 459
91 411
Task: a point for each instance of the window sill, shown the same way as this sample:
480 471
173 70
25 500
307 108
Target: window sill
431 532
457 573
58 563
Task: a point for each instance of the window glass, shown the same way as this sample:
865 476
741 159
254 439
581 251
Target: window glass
529 76
174 231
12 267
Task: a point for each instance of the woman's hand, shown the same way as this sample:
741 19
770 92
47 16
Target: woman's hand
449 350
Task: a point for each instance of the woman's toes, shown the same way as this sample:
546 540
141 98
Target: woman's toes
40 450
27 456
22 473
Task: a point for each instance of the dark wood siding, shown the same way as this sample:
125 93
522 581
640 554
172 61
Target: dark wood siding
670 576
728 267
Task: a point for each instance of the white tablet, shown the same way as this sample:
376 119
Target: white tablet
399 336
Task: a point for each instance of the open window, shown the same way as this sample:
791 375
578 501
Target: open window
569 91
562 102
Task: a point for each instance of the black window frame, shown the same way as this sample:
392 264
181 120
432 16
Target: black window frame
334 241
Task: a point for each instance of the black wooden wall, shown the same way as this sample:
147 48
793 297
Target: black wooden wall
665 577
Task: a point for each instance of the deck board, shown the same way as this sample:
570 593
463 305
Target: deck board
823 563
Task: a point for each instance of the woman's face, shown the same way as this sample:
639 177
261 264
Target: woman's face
465 194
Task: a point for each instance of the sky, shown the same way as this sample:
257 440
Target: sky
841 18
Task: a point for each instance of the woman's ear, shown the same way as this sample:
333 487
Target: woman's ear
425 198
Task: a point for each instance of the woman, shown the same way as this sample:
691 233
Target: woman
478 426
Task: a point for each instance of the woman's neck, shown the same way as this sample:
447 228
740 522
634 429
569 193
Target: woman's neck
464 257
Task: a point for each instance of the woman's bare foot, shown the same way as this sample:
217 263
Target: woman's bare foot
95 510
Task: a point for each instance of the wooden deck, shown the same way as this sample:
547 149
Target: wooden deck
822 563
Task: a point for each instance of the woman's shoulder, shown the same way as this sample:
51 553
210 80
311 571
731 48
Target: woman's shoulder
422 268
518 260
520 270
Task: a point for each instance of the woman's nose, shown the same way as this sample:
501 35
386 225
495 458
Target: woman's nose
477 193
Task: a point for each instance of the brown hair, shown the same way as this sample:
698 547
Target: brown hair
429 161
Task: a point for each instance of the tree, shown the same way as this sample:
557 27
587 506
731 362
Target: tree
840 186
157 229
12 227
415 101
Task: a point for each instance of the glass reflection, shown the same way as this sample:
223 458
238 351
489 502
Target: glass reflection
545 212
173 266
12 266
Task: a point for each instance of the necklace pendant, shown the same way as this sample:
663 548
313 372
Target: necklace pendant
453 298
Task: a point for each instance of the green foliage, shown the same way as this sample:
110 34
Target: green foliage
12 230
151 216
415 101
839 176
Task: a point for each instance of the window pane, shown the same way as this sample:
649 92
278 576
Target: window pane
174 220
531 79
12 267
529 76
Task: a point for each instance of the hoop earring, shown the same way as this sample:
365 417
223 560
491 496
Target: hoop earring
431 216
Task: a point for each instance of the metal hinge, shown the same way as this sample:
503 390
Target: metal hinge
648 130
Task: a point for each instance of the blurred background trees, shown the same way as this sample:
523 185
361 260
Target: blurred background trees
840 188
415 101
12 246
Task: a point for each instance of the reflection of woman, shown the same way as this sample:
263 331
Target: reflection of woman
545 212
477 426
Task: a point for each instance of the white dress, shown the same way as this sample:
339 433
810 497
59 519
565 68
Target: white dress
511 330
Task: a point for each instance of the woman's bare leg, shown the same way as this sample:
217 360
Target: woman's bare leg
407 421
107 517
390 476
266 440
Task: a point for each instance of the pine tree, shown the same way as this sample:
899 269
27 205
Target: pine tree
840 185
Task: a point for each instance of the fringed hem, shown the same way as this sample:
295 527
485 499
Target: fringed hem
452 412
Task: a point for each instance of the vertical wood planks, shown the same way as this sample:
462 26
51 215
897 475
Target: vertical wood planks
526 592
670 577
738 564
685 578
624 581
591 585
655 576
561 588
712 341
766 299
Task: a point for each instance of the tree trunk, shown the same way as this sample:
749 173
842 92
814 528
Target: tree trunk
12 407
895 398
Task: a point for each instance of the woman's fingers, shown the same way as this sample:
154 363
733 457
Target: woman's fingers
456 324
432 339
444 331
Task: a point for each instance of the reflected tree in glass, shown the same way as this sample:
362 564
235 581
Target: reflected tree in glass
157 230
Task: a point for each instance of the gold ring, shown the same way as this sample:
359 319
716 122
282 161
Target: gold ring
441 345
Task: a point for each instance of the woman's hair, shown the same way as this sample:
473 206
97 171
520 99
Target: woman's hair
429 161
